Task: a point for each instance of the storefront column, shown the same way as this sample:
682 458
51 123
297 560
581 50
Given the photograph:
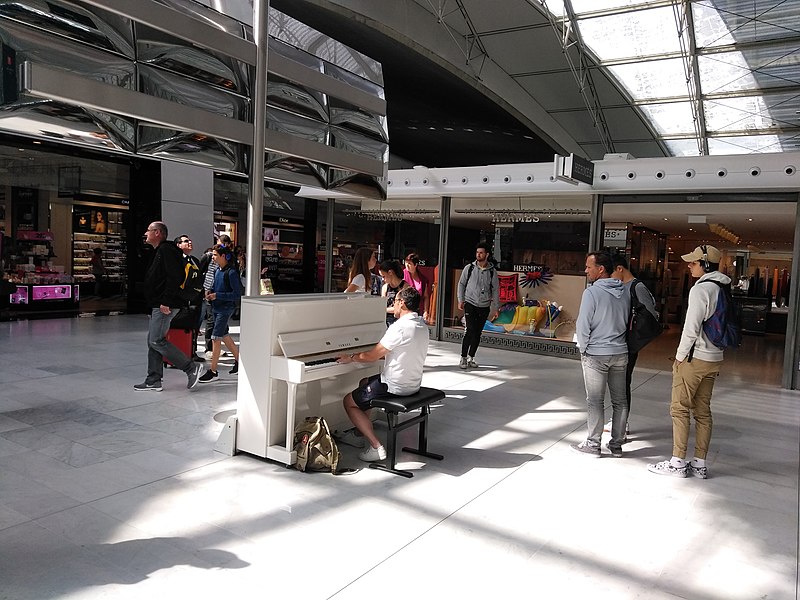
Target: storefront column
444 228
329 244
596 224
791 352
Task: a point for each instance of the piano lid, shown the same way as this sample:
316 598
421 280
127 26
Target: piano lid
304 343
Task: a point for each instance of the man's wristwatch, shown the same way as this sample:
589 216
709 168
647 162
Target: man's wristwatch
353 356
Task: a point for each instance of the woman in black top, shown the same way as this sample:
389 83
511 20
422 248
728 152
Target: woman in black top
392 274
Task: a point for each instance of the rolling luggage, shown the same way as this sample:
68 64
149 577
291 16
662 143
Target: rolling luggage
182 338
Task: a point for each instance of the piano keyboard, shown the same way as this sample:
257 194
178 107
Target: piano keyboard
321 361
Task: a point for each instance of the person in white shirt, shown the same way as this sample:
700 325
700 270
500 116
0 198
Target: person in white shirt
404 347
359 279
696 368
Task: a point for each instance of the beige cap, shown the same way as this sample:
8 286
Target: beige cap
708 253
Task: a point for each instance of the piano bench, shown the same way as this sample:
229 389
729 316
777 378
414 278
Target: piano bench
404 404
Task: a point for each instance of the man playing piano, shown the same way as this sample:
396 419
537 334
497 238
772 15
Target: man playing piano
404 347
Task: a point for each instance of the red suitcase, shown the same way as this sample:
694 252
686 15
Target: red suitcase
182 338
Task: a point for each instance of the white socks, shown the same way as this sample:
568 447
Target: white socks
678 463
698 462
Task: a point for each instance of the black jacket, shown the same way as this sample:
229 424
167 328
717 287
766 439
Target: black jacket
164 277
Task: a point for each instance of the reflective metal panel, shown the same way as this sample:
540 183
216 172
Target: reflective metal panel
286 122
367 123
90 25
306 38
173 87
173 54
72 124
353 181
296 98
289 169
354 80
39 46
196 148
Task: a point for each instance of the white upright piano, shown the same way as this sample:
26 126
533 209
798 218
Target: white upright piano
287 367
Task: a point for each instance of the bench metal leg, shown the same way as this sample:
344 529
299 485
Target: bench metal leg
391 442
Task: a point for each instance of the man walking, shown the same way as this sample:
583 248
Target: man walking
161 284
644 296
478 297
209 269
696 367
600 329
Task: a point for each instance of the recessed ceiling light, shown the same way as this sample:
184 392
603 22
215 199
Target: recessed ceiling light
750 219
666 219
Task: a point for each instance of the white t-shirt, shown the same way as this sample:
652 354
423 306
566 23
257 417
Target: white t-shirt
407 342
360 282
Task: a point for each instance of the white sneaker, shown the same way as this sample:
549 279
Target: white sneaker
464 363
472 364
373 454
349 437
607 427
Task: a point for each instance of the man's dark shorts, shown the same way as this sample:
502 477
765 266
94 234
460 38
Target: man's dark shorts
363 395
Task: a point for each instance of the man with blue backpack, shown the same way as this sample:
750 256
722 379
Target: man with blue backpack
709 328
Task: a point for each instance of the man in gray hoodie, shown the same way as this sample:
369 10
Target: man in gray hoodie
696 368
479 297
600 330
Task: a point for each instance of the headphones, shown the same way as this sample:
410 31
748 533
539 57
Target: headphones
228 256
704 260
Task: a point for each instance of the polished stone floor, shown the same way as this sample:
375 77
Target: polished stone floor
110 493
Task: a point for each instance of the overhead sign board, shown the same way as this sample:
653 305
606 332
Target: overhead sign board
574 169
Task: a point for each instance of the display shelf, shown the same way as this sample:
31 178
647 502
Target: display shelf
114 249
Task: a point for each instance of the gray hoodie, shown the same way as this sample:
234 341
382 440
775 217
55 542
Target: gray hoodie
603 318
482 288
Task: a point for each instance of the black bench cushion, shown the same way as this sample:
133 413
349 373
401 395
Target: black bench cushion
401 404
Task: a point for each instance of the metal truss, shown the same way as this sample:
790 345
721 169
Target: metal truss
682 9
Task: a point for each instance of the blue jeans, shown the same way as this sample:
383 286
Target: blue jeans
158 347
599 372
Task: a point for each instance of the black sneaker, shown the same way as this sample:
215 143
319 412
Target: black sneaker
208 376
148 387
194 375
235 368
616 451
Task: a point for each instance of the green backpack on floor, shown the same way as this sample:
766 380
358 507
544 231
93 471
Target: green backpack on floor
315 447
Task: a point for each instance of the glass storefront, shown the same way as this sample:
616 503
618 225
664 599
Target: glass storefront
63 231
539 246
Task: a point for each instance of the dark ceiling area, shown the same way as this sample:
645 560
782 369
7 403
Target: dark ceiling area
435 119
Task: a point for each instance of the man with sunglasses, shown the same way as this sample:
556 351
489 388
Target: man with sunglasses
195 308
404 347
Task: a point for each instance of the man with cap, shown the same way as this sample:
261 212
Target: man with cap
696 367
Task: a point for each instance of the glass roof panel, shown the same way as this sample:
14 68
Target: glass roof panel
585 6
710 29
647 37
750 69
744 144
683 147
746 20
631 35
737 114
672 118
653 79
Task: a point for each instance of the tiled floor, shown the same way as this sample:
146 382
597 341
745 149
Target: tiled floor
109 493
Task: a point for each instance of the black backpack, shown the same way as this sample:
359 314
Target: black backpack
643 326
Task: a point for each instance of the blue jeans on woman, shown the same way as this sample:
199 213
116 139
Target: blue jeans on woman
159 348
599 372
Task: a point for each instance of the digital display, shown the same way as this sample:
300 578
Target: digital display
52 292
20 296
